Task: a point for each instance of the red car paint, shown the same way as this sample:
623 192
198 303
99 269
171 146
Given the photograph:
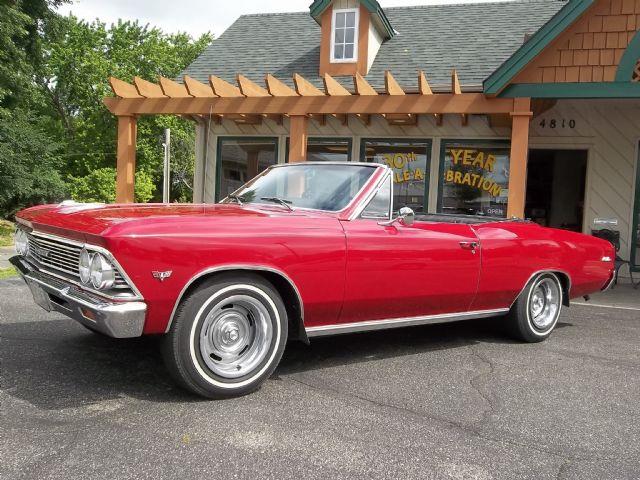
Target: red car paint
345 270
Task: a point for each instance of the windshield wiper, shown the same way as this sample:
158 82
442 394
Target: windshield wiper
284 203
237 198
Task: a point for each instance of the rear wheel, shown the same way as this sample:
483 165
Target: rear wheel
227 337
535 313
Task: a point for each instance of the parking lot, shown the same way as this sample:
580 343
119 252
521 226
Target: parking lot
450 401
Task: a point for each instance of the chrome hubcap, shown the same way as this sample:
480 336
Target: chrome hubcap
235 336
544 303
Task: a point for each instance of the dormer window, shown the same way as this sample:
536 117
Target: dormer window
344 37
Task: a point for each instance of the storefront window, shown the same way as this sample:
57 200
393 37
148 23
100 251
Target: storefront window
321 149
474 178
240 159
409 160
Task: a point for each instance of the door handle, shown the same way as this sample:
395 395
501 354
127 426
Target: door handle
469 246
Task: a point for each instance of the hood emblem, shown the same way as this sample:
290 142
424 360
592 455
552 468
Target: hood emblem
161 276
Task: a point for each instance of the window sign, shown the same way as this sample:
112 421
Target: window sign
474 178
409 161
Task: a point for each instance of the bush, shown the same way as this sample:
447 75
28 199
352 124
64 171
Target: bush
100 186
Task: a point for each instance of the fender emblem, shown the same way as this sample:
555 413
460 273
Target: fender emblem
162 276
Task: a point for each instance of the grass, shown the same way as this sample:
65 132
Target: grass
7 273
6 233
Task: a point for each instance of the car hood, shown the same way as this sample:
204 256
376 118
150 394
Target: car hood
83 220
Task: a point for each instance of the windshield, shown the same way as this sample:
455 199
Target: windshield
320 187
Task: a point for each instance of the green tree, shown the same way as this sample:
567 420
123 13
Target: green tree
56 136
81 57
29 165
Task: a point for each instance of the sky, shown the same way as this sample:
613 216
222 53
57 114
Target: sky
199 16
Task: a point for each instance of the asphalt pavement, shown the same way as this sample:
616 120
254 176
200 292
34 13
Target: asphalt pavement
455 401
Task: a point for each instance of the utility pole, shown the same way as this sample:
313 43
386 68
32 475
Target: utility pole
166 180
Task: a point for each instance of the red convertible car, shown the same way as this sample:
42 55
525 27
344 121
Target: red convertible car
300 251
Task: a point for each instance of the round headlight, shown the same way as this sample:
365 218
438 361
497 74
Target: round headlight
21 241
102 274
85 266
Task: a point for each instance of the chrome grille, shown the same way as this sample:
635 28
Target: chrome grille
62 257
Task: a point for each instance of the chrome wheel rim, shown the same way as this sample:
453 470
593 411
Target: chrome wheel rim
236 335
544 303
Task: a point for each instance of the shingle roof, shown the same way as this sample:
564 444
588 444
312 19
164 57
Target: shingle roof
473 38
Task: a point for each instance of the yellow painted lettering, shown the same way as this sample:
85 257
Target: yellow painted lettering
456 154
490 164
466 158
418 175
467 179
449 176
457 177
479 161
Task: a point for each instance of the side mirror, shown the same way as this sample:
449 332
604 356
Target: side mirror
406 217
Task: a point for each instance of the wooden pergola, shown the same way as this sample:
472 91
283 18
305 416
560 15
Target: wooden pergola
276 100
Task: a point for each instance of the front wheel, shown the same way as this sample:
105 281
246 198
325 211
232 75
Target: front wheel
535 313
227 337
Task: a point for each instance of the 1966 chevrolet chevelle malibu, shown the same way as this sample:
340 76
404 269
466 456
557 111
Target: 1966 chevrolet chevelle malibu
302 250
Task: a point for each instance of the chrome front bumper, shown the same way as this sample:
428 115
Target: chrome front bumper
115 319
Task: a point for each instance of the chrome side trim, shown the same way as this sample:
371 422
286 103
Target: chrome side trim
338 329
225 268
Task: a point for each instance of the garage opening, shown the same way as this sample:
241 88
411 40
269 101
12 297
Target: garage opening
556 181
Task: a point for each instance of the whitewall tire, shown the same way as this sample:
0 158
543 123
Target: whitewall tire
227 336
535 313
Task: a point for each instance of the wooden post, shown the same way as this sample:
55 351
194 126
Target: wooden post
521 117
298 138
126 161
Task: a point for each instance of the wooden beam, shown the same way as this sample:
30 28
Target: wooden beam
251 89
223 88
439 119
126 160
365 118
148 89
246 119
465 119
521 118
390 84
123 89
342 118
332 87
278 88
393 119
455 83
362 87
471 103
500 120
423 85
321 119
173 89
278 119
306 88
298 138
198 89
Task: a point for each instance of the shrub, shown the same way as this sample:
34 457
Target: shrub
100 186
